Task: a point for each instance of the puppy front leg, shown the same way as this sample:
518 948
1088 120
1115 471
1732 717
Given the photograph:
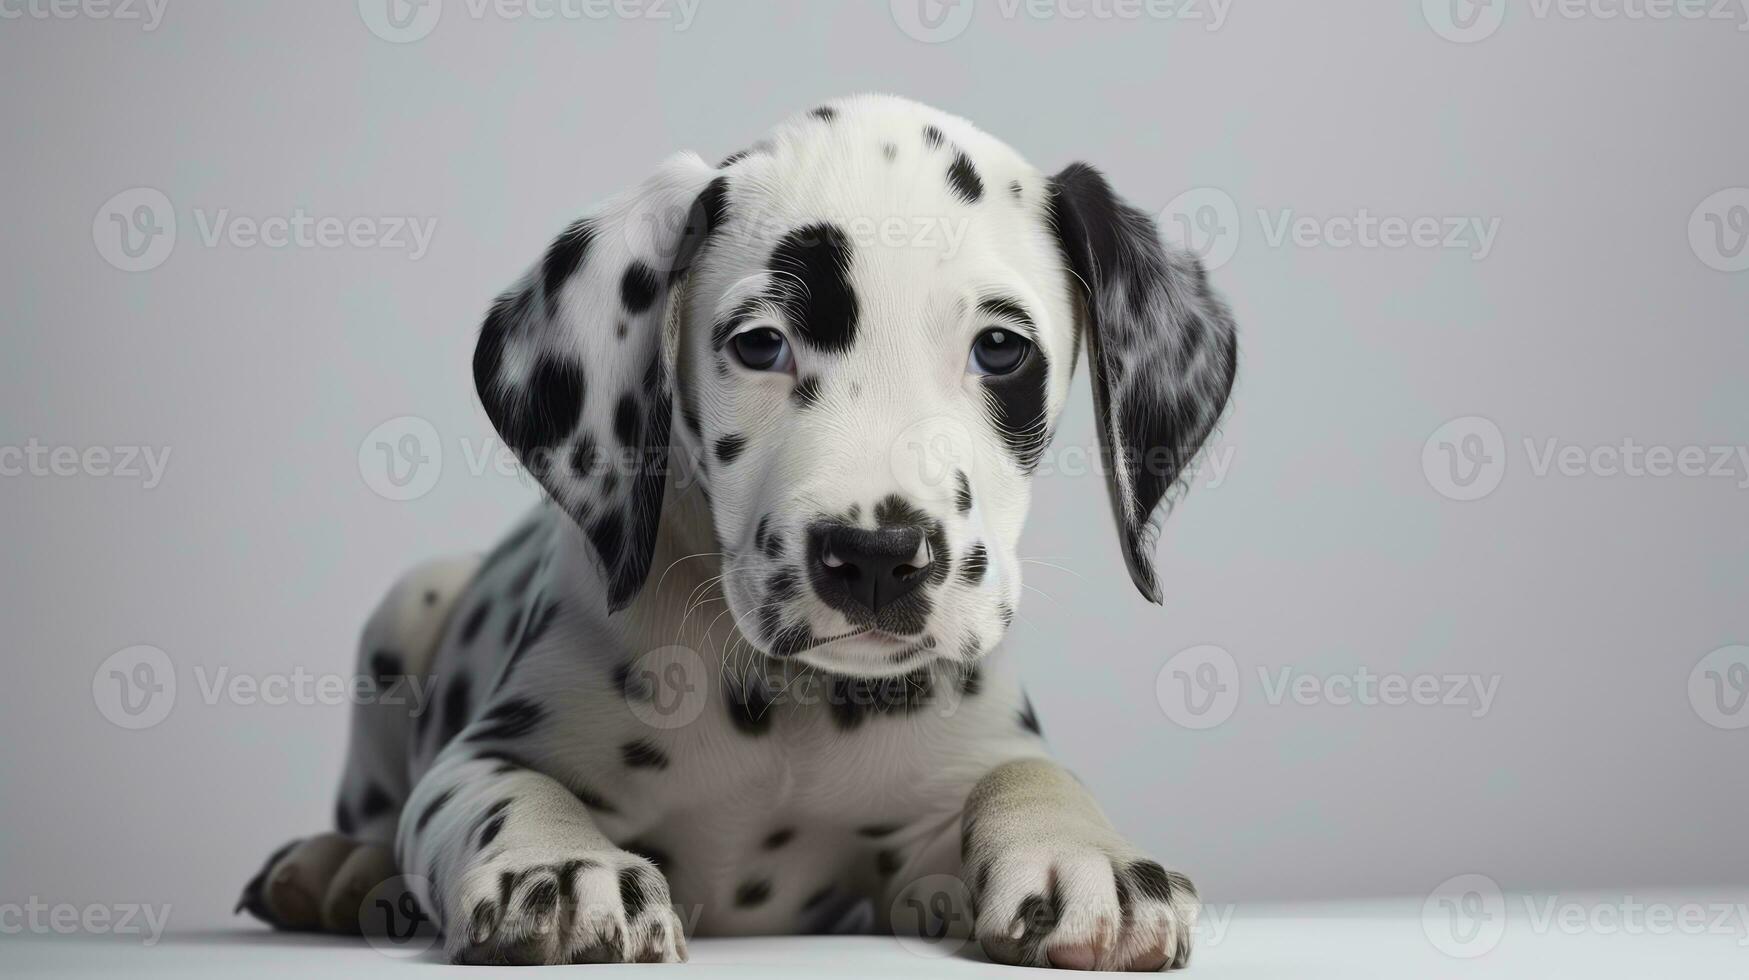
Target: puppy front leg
519 873
1055 885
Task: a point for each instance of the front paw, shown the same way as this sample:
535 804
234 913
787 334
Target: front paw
1080 905
540 905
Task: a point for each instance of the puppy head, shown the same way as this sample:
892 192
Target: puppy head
868 324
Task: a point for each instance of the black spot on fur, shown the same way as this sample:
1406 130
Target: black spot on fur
890 152
714 201
774 550
752 893
778 838
977 561
812 286
1029 717
633 892
385 667
643 754
854 700
542 897
593 800
749 707
1015 189
932 137
564 257
626 421
585 454
877 829
1006 612
638 287
491 822
476 619
824 112
633 687
963 178
457 701
375 802
542 411
806 393
432 808
608 537
887 863
729 448
962 492
508 719
733 158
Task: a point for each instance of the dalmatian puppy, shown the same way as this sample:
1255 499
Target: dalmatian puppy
741 671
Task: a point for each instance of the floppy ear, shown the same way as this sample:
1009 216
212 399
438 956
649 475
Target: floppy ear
572 370
1161 351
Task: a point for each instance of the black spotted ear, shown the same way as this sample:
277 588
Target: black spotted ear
1161 348
571 363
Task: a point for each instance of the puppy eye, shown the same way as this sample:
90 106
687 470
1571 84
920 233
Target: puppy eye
999 350
761 349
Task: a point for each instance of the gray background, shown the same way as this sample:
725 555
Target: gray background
1327 547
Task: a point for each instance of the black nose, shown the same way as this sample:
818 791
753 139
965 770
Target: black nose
868 569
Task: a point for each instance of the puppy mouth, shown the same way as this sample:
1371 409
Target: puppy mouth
868 653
